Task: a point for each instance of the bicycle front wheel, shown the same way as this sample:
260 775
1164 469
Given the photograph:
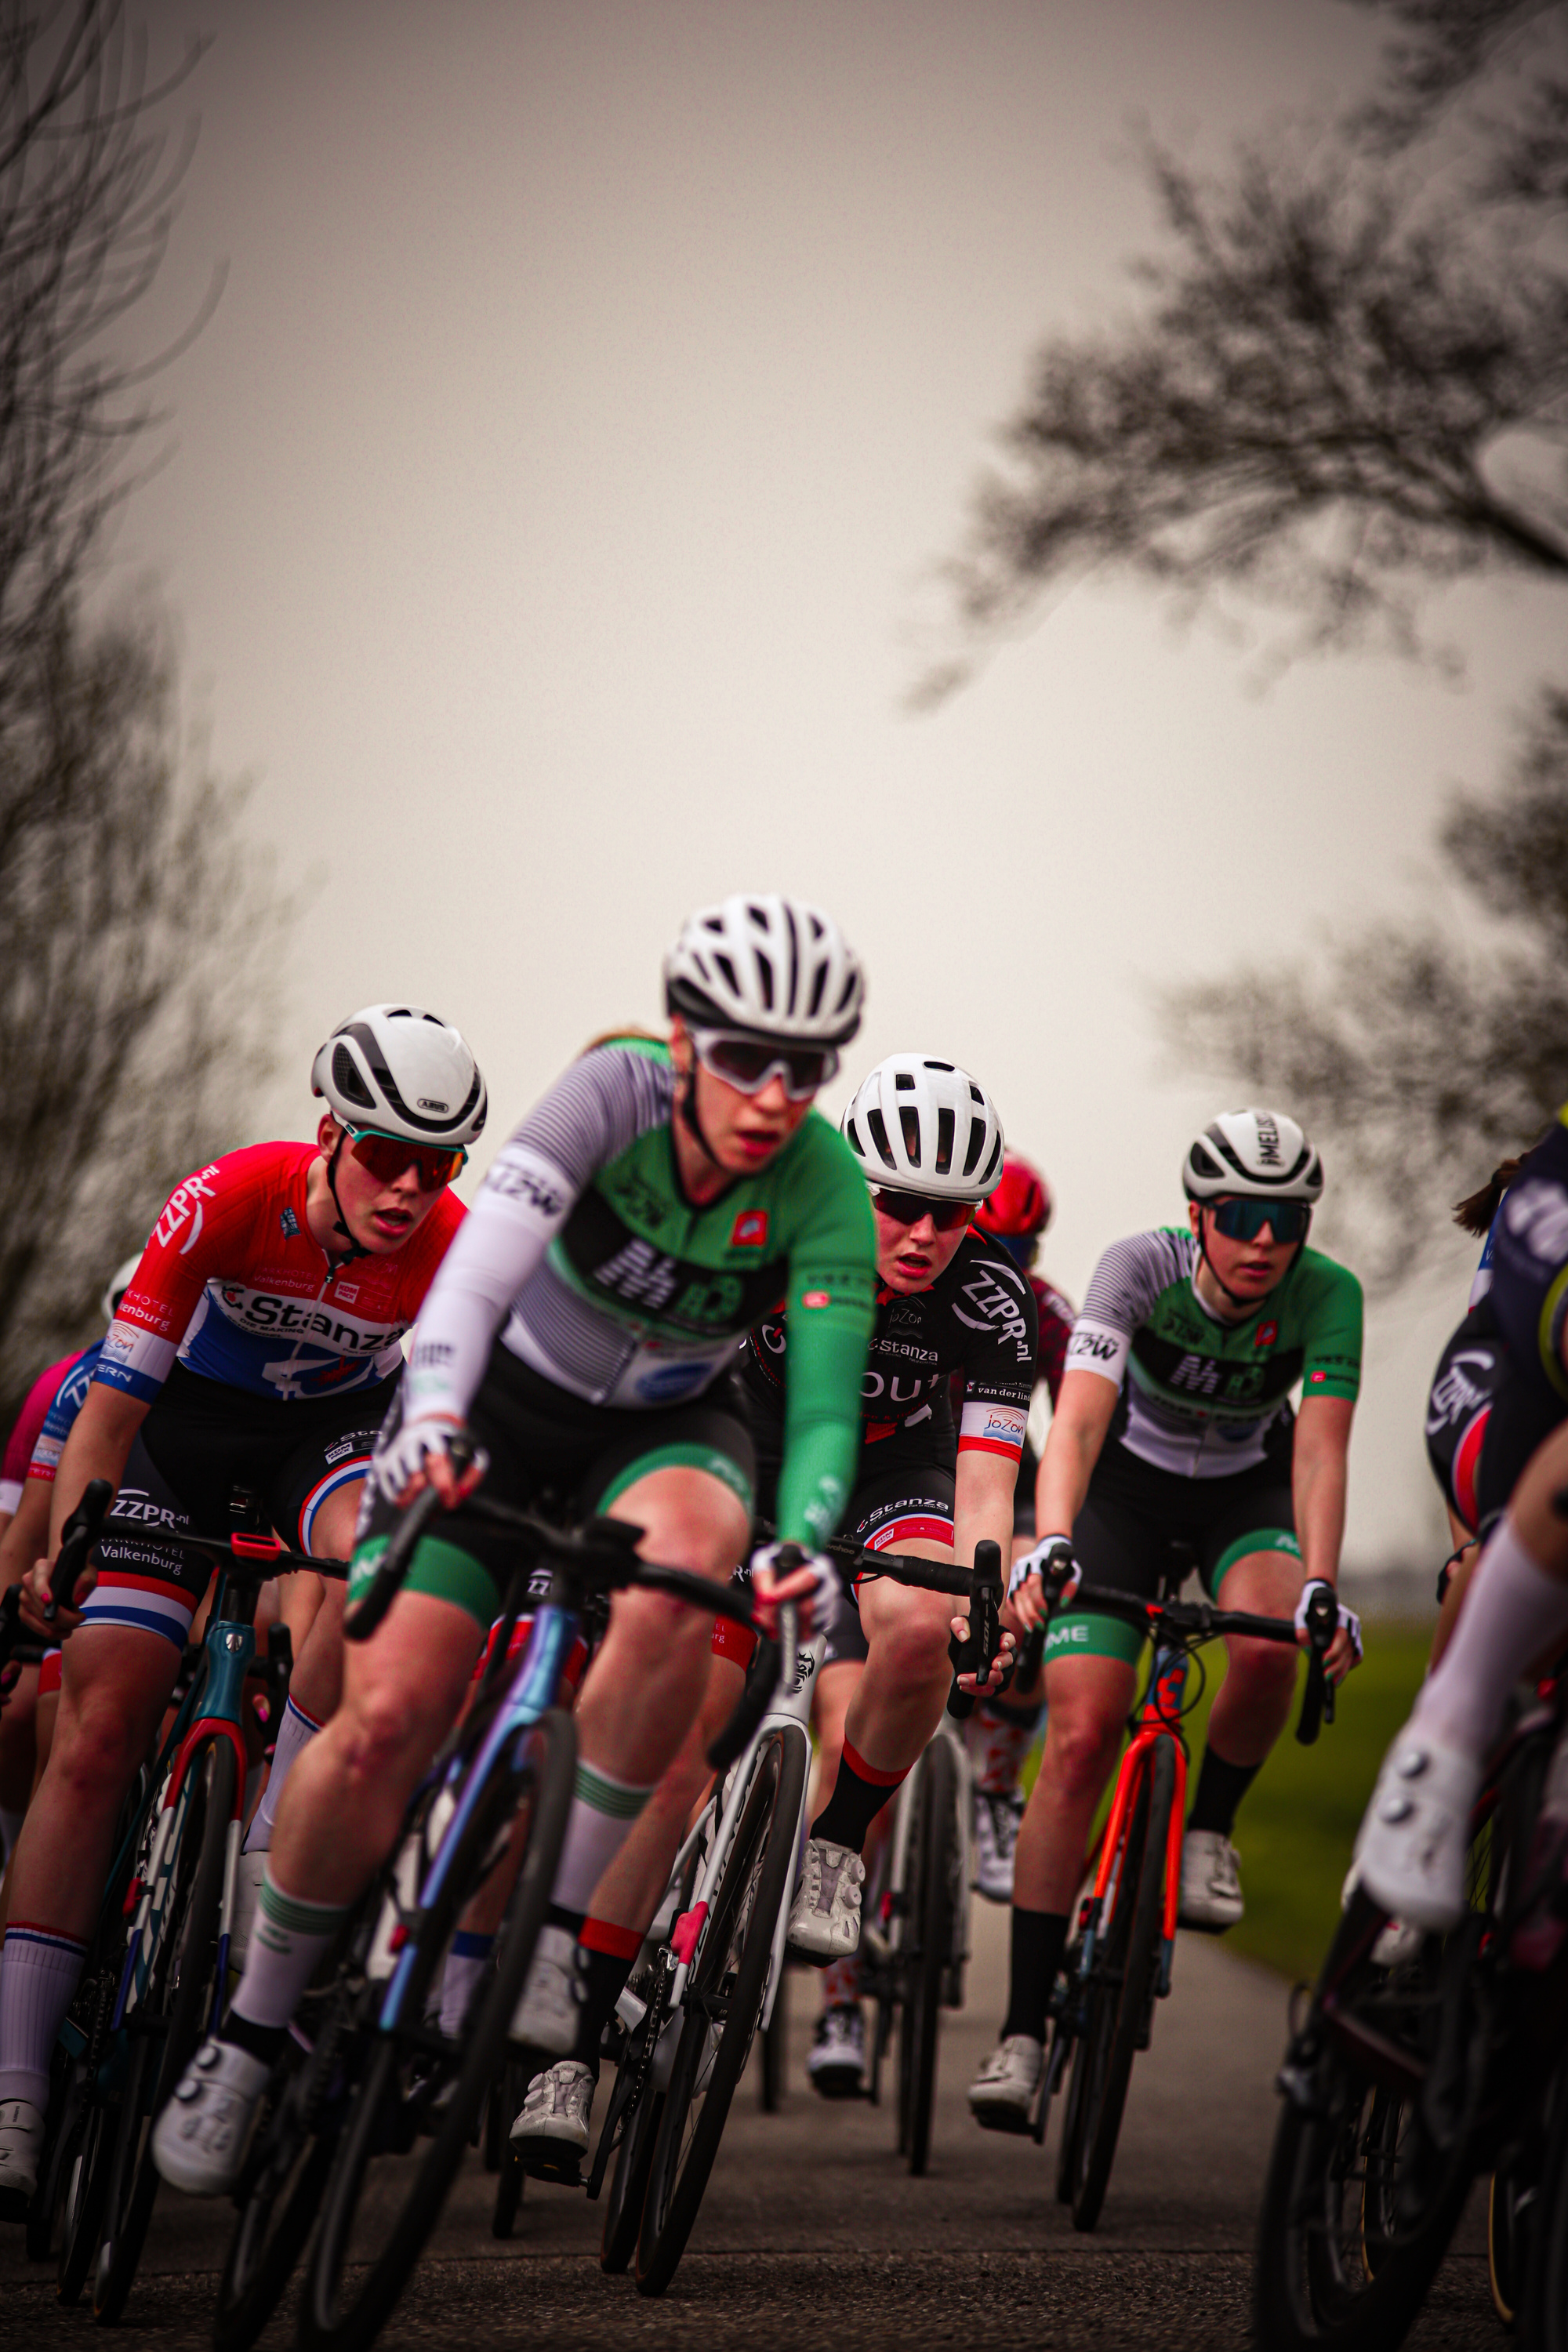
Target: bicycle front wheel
178 2007
931 1891
1121 1984
412 2082
724 1996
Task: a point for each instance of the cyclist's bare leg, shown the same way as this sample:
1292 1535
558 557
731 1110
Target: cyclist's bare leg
315 1685
632 1888
908 1674
116 1686
1087 1705
835 1687
344 1801
1254 1703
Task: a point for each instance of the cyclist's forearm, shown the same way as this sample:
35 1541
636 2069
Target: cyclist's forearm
1066 1468
1318 1484
983 1505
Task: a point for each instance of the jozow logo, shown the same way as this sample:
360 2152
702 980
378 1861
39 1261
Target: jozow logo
750 1230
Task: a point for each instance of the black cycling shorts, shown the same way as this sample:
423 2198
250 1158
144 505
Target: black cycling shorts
1122 1538
548 1448
204 1439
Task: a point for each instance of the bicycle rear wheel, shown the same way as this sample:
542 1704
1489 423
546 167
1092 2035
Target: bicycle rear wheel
1121 1984
179 2006
412 2081
931 1894
724 1997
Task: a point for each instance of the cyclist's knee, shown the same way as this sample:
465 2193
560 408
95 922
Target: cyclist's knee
1081 1751
1267 1669
912 1644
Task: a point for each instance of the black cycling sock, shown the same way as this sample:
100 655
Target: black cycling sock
858 1795
1220 1789
1040 1938
263 2042
601 1979
557 1916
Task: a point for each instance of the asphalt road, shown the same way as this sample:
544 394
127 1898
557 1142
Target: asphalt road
812 2235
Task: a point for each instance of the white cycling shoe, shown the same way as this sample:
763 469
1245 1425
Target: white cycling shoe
199 2140
551 2126
1004 2089
825 1917
1211 1882
997 1824
21 2151
1415 1840
546 2017
836 2061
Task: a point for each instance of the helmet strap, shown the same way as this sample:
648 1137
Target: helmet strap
685 1102
356 1249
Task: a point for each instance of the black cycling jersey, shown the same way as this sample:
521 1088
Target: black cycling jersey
978 1319
1529 1294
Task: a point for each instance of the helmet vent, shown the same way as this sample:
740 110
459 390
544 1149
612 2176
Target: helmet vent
727 970
879 1133
1204 1162
905 1079
976 1144
909 1121
945 1127
765 982
347 1079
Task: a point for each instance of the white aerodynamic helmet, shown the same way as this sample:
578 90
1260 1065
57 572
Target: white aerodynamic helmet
120 1282
923 1126
395 1069
771 966
1255 1155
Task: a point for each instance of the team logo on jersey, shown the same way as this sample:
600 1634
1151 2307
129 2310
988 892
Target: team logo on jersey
750 1230
816 1298
289 1222
1265 1335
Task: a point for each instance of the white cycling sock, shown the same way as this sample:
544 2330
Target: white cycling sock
465 1963
1511 1611
604 1812
287 1939
841 1982
38 1973
295 1734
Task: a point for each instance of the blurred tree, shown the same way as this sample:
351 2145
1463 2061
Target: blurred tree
1427 1052
1310 404
137 937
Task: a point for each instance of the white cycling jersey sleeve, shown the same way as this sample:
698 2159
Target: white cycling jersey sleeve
524 1203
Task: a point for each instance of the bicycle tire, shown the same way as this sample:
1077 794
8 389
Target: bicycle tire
507 2095
278 2197
735 1952
774 2067
934 1851
546 1761
177 2013
1544 2302
83 2186
1122 1980
628 2182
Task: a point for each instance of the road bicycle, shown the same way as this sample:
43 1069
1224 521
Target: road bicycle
156 1970
382 2074
1420 2063
716 1954
1120 1960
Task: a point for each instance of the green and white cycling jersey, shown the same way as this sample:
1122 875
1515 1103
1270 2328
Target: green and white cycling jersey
610 1285
1203 1398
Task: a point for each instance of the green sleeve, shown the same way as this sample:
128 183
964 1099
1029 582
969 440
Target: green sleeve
831 1305
1332 1339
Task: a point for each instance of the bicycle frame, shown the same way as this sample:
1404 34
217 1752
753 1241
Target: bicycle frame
1158 1719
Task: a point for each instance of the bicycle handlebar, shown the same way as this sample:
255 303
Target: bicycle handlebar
1202 1620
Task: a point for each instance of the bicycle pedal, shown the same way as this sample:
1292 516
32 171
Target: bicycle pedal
1015 2120
563 2167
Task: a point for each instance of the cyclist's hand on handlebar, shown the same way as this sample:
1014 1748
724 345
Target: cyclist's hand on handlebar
34 1601
417 1456
779 1572
1345 1650
1001 1671
1050 1566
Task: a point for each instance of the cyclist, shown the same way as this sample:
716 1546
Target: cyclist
1412 1849
1174 1421
258 1344
1003 1728
952 1308
656 1200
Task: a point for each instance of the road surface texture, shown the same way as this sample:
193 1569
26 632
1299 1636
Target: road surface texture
812 2234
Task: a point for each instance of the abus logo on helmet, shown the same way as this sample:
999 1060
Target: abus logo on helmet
427 1102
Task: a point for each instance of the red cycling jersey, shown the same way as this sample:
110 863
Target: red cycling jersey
232 1284
25 1432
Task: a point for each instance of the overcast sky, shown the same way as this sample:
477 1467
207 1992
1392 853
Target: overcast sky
552 517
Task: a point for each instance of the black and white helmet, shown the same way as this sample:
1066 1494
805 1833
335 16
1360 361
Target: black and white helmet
775 967
395 1069
1254 1155
922 1126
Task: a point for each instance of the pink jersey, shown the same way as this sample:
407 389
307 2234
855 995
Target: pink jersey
25 1434
233 1286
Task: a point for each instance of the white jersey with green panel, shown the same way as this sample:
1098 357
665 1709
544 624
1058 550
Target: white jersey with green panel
1199 1397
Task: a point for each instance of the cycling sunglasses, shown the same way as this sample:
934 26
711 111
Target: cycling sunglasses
387 1157
749 1066
909 1208
1243 1220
